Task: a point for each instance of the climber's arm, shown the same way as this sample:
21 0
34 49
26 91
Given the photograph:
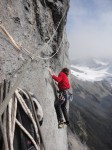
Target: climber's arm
57 79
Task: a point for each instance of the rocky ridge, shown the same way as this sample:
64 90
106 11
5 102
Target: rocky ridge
90 113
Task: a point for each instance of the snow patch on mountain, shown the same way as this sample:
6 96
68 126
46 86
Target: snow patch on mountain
88 74
92 69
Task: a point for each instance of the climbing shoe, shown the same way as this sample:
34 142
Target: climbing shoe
61 125
67 123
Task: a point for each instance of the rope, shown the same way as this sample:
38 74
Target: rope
9 125
46 45
27 133
20 48
10 119
12 41
27 111
36 119
9 95
47 58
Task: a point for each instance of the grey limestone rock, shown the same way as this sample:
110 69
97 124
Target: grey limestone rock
31 23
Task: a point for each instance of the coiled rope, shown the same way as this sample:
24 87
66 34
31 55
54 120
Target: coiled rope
9 118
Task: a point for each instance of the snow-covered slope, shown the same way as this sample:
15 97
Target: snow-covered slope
92 70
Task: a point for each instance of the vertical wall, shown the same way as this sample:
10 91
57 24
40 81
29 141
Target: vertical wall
31 23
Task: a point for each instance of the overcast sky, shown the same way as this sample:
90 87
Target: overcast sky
89 28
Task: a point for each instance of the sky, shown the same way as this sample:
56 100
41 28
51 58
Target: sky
89 28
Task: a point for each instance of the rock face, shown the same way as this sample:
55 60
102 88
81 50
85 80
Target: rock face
32 23
74 142
90 113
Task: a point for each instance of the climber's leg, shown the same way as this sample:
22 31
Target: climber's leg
65 113
57 105
64 108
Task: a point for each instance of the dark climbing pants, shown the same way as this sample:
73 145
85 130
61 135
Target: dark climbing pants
61 106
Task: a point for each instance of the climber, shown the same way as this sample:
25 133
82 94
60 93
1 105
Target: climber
61 103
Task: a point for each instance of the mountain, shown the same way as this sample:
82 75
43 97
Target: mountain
92 69
91 108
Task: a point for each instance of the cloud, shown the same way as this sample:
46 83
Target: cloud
89 28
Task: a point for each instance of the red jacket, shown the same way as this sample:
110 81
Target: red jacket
62 79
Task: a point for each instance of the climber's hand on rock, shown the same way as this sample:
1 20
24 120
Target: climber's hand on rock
50 71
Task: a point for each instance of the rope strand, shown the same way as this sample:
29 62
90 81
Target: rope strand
8 121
